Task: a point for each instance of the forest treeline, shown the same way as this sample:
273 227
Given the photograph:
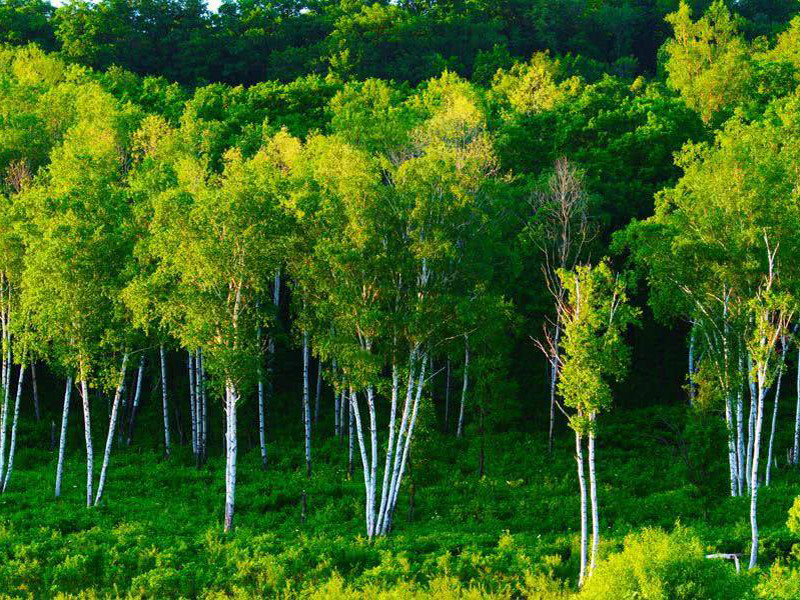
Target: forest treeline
246 42
461 241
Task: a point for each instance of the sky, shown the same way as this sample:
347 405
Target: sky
213 5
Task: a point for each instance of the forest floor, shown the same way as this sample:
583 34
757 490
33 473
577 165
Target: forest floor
158 531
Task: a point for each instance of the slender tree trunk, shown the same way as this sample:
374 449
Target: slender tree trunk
136 397
343 414
368 482
6 395
406 446
262 438
204 405
35 392
192 404
112 422
350 439
460 430
775 410
87 430
447 399
164 400
231 447
12 449
398 450
754 473
732 464
62 444
796 447
750 422
553 386
336 417
593 498
691 365
318 391
373 441
584 517
390 444
740 460
306 404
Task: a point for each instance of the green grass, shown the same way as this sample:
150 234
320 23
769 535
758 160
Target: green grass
158 532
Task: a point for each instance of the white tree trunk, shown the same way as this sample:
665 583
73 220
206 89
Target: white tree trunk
732 464
62 444
112 422
398 449
35 392
740 460
318 391
796 447
306 404
136 398
231 448
204 410
368 482
350 426
775 410
584 517
460 430
751 421
373 441
754 473
6 398
262 438
394 491
13 447
593 498
390 444
192 403
87 432
164 400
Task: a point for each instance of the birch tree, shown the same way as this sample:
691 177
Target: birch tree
216 240
78 244
559 226
594 316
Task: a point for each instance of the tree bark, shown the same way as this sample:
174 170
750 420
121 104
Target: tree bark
318 391
164 400
553 386
231 449
732 464
87 431
593 498
306 404
584 517
754 473
112 422
35 392
192 404
775 410
136 398
12 449
460 430
796 447
62 444
750 421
